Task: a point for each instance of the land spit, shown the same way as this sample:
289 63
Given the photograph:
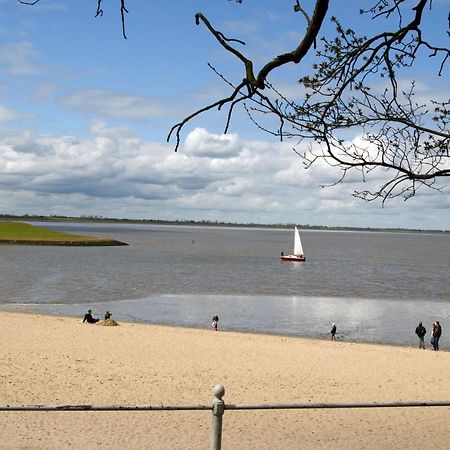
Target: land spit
78 243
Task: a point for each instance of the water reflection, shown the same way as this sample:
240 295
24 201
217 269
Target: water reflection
365 320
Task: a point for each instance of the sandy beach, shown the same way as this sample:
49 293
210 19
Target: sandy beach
59 360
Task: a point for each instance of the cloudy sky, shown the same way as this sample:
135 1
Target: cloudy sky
84 116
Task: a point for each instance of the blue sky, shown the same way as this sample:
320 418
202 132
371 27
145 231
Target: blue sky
84 116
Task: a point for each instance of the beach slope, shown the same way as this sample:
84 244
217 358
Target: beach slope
58 360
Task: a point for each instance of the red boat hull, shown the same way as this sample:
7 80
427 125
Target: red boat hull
292 258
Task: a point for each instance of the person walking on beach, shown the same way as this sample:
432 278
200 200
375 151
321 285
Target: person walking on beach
433 330
88 317
437 331
421 332
215 322
333 332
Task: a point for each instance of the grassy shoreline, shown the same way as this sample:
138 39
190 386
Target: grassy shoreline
18 233
69 243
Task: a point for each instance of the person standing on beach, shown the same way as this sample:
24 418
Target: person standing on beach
437 335
215 322
421 332
333 332
433 330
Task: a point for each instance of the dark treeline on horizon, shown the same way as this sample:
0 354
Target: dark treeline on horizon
88 218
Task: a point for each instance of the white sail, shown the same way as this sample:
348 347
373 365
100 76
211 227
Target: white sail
298 249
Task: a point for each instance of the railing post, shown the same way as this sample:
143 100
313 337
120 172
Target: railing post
218 408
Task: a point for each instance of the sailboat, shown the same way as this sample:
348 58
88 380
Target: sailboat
298 255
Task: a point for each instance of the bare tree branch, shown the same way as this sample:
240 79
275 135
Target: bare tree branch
123 10
218 104
356 114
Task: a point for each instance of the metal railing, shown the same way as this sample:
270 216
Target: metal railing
218 408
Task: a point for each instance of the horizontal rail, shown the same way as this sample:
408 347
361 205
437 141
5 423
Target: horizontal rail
335 405
228 406
105 408
218 408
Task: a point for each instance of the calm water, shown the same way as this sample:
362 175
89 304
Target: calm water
375 286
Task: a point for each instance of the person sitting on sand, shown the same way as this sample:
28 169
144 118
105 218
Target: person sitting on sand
215 321
333 332
107 315
88 317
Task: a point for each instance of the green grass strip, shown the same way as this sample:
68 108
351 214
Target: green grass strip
25 233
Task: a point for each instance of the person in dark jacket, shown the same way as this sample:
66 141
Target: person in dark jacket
437 335
88 317
333 332
421 332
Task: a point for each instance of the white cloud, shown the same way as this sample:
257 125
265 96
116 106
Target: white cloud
19 58
44 90
8 114
114 173
106 103
201 143
238 28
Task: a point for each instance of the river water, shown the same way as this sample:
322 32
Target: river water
376 286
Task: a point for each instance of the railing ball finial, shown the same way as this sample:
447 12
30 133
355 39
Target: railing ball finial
218 408
219 391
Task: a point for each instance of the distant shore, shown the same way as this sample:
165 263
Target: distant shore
97 219
60 360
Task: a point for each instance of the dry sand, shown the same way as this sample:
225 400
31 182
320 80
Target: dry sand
57 360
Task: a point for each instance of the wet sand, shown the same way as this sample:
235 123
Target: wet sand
59 360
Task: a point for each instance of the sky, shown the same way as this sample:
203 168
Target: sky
85 113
